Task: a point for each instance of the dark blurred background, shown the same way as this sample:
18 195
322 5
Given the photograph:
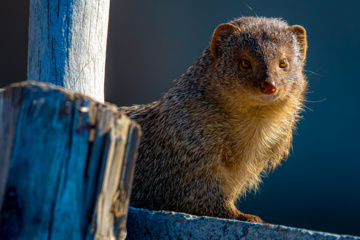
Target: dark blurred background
151 43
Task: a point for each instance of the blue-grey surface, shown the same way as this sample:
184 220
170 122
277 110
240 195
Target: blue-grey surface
145 224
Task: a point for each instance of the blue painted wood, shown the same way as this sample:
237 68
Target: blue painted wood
144 224
67 44
65 163
7 129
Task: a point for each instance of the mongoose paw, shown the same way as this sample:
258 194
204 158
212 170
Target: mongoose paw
249 218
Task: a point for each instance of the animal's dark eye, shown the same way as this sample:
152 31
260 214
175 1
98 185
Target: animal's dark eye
283 63
245 64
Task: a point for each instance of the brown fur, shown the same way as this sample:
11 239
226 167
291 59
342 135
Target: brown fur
212 135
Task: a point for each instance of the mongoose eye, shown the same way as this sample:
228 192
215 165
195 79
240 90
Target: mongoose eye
245 64
283 63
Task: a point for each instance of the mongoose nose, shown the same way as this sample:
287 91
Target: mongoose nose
268 87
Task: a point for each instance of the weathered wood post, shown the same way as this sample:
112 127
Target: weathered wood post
67 44
70 162
66 160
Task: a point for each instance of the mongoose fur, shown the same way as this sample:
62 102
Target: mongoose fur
228 119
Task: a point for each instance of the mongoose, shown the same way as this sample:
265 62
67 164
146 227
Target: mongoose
227 120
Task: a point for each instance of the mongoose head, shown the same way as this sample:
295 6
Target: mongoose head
259 60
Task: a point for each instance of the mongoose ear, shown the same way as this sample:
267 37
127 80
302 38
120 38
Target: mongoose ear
300 35
220 34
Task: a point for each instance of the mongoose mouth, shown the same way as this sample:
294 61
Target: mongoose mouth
268 98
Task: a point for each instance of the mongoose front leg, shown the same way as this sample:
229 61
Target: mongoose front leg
248 218
238 215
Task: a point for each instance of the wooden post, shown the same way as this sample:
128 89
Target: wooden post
67 44
68 161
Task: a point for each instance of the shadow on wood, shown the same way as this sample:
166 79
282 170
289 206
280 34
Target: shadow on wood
66 164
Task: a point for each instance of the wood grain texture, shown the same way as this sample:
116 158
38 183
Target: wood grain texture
8 123
66 155
67 44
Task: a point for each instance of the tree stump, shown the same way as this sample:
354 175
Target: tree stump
66 164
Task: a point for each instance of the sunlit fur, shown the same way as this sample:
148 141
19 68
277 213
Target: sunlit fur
211 137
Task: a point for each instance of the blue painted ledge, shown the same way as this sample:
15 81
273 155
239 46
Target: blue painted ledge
145 224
